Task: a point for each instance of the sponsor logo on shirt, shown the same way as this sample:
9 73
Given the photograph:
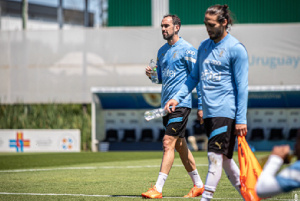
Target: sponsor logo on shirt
190 59
219 145
190 52
168 73
209 75
214 62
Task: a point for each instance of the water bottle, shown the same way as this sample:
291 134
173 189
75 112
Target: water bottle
153 114
154 77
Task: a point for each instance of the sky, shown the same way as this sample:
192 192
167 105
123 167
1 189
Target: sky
94 5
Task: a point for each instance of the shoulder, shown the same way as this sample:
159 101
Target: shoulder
187 46
205 42
236 48
235 44
187 49
162 48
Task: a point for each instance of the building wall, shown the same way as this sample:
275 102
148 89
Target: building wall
191 12
129 13
244 12
62 66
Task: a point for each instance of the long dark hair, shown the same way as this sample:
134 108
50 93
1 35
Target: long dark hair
222 12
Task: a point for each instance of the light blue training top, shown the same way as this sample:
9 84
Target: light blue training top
289 178
222 70
174 64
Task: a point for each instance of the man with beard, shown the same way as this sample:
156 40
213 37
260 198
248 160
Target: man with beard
175 61
222 70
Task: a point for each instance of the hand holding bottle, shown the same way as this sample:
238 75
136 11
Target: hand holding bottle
156 113
152 72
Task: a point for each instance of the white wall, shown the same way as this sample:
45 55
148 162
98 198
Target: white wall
62 65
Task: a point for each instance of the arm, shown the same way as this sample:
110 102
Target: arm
268 184
158 70
191 63
191 58
240 67
200 110
148 71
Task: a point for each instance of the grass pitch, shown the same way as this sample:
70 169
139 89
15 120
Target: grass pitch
101 176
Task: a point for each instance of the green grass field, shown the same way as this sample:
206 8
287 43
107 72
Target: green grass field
100 176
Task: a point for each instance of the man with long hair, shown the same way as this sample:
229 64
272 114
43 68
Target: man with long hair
222 70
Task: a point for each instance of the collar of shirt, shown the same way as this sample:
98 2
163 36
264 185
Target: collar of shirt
221 41
177 43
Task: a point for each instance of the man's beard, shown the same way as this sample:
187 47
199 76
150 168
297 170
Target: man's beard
168 37
217 35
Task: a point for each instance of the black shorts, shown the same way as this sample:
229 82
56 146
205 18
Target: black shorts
220 133
175 122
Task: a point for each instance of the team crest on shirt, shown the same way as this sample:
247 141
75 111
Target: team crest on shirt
205 50
221 53
174 55
223 50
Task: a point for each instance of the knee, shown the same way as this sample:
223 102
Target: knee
215 160
167 145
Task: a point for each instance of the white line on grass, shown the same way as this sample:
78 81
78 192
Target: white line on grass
84 195
120 196
90 168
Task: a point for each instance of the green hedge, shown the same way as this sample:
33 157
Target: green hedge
49 116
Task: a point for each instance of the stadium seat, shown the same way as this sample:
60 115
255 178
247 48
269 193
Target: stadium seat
276 134
198 128
129 135
147 135
161 135
111 135
293 133
257 134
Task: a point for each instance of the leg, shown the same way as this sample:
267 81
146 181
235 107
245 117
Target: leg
188 161
233 172
168 154
213 176
220 144
174 124
166 164
186 155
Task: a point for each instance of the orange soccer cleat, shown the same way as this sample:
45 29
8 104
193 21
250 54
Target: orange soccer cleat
195 192
152 193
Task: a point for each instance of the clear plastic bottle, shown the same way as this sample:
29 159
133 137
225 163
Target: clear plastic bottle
156 113
154 77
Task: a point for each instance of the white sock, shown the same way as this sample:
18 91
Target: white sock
207 196
233 172
214 171
162 177
196 178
